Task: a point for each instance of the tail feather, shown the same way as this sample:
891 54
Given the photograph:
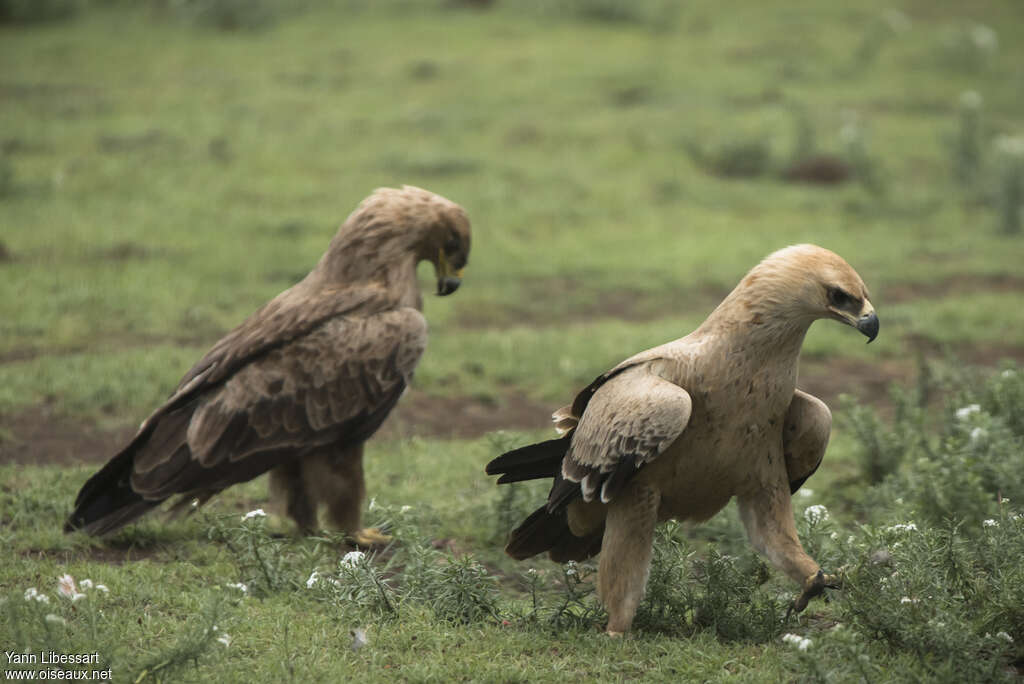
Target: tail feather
549 531
531 462
106 501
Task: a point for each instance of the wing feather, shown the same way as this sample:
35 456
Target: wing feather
626 421
804 437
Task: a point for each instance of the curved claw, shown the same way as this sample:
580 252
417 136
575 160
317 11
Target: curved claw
370 536
814 585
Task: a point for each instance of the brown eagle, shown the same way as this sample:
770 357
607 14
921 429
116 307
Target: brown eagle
678 430
300 385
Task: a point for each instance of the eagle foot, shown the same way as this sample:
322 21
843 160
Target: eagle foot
371 536
814 585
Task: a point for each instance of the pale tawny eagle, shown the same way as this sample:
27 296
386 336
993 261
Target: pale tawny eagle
678 430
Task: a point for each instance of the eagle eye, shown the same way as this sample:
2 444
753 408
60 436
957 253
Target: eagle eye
452 244
839 298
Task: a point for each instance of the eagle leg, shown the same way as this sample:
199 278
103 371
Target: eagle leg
626 554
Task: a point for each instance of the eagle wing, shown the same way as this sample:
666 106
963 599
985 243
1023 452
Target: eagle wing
626 421
254 402
805 435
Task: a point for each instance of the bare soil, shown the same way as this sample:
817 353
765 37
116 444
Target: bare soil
40 436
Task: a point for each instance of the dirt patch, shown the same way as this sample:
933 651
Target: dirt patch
464 417
37 436
868 381
100 554
896 293
570 300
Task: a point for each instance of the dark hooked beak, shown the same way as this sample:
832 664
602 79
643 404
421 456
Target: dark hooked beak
448 284
868 324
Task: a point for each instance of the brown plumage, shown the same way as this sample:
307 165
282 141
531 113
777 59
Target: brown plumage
678 430
300 385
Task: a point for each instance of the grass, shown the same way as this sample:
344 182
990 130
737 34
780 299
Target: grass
165 168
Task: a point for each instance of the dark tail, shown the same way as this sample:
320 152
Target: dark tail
544 530
532 462
106 501
549 531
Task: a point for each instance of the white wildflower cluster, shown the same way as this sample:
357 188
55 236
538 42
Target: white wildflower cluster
990 523
902 527
907 599
405 509
816 514
571 569
1009 145
1005 637
897 21
67 588
806 492
967 411
970 99
801 643
315 578
978 435
984 38
33 594
240 586
258 513
352 559
223 637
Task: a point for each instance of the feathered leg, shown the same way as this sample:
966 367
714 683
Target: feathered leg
626 554
336 480
768 517
289 494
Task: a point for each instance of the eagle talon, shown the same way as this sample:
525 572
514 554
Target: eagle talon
371 536
815 585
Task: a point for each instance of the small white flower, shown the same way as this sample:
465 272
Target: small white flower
313 579
31 593
806 493
984 37
1010 145
373 504
353 558
66 586
103 588
902 527
55 619
834 536
816 514
570 569
532 572
978 434
1006 637
258 513
85 584
850 539
907 599
358 638
897 21
970 99
42 598
800 642
239 586
405 509
1008 373
990 523
225 639
966 412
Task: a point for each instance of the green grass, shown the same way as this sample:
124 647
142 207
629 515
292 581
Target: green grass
160 179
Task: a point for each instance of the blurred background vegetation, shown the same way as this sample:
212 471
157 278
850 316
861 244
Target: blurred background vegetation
166 166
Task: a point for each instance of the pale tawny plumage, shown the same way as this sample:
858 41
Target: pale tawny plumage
678 430
300 385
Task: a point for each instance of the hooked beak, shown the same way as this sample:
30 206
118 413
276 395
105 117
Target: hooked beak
868 324
448 279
